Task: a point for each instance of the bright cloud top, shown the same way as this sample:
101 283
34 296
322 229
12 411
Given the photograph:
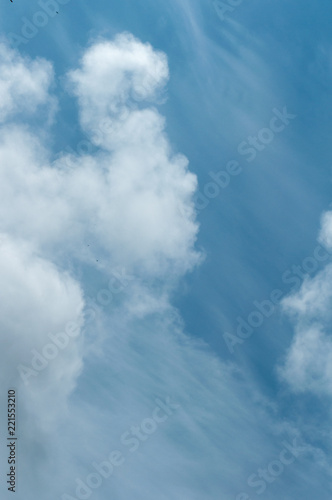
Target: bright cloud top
113 72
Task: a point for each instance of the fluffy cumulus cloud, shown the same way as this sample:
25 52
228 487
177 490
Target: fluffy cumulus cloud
24 84
111 73
308 363
133 197
64 223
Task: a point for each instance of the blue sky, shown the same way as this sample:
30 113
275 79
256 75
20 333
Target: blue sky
165 176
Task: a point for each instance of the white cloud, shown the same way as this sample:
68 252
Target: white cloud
308 363
24 83
37 299
129 203
112 73
326 232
